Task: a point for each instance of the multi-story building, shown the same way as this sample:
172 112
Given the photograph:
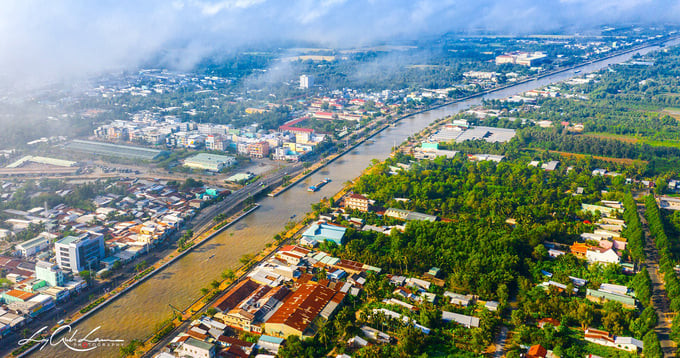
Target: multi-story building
50 273
306 81
357 202
522 58
258 150
78 253
216 142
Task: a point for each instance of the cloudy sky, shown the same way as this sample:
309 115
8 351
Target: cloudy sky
58 39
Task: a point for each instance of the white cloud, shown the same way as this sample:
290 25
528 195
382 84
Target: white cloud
48 40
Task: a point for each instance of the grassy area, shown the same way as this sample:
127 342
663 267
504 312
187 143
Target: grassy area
621 137
672 111
625 161
634 139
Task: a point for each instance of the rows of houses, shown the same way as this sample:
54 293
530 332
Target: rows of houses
120 229
291 293
248 141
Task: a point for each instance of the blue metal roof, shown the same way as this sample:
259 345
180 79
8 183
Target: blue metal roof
323 232
271 339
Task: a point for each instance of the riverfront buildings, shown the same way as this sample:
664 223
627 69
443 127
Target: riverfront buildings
529 59
78 253
68 240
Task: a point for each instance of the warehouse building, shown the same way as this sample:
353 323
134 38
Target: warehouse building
212 162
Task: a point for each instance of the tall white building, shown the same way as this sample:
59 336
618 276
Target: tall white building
78 253
306 81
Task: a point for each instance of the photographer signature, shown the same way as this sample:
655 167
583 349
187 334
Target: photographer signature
84 344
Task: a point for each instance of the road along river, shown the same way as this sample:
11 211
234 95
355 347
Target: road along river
135 315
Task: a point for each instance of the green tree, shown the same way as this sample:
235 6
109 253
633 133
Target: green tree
652 347
228 274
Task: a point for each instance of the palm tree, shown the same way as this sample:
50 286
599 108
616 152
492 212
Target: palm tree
324 335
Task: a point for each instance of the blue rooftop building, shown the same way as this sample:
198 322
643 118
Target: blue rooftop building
323 232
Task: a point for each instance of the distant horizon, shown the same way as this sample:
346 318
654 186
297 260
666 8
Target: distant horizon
69 39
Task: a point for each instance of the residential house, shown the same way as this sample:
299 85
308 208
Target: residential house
357 202
463 320
604 338
192 347
458 299
602 255
537 351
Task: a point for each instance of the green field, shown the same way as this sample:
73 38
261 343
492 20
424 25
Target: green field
635 139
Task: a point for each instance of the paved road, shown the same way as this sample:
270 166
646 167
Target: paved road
204 219
500 342
660 299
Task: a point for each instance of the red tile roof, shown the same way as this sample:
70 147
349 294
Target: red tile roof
598 334
295 248
357 197
233 352
235 341
349 265
197 335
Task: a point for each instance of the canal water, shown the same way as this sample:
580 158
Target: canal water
135 315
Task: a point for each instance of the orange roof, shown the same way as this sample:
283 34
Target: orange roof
537 351
579 248
350 265
543 321
199 336
22 295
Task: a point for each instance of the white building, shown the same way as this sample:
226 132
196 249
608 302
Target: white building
192 347
306 81
78 253
35 245
212 162
601 255
463 320
50 273
458 299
